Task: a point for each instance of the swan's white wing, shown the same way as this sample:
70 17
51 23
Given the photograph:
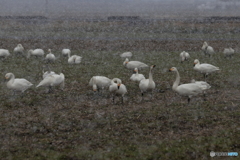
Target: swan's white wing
189 89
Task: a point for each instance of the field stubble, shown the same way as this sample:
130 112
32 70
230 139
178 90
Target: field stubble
78 124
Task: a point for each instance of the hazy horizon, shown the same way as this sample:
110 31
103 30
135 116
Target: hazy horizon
103 8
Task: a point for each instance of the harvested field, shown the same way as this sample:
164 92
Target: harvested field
78 124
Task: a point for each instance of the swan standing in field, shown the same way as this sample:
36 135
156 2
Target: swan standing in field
50 57
208 50
147 84
4 53
19 50
204 68
74 59
66 51
228 52
136 76
117 88
184 56
134 64
99 82
188 90
35 52
17 84
52 80
126 55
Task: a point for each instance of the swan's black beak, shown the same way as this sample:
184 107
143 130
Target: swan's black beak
134 71
119 85
194 64
154 66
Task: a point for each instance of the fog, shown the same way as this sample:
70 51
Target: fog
103 8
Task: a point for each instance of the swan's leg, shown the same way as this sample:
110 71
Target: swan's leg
113 98
122 99
189 100
50 89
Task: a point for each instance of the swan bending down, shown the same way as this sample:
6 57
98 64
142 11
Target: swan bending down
204 68
136 76
184 56
208 50
126 55
117 88
50 57
188 90
66 51
74 59
99 82
52 80
4 53
147 84
35 52
47 73
19 49
228 52
17 84
134 64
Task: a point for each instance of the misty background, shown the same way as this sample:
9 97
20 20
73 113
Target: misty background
104 8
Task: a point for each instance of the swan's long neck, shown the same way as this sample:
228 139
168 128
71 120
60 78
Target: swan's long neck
177 81
11 79
150 76
69 54
136 72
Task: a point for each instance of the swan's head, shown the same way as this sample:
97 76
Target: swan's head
196 61
126 61
8 75
173 69
94 87
153 66
19 45
49 50
135 70
204 45
118 85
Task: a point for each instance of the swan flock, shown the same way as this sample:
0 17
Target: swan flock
50 79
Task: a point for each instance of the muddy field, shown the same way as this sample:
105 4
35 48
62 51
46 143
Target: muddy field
78 124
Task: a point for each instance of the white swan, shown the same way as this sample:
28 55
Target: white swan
66 51
147 84
4 53
117 88
204 68
189 89
52 80
228 52
17 84
74 59
136 76
19 49
126 55
99 82
36 52
50 57
134 64
184 56
208 50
